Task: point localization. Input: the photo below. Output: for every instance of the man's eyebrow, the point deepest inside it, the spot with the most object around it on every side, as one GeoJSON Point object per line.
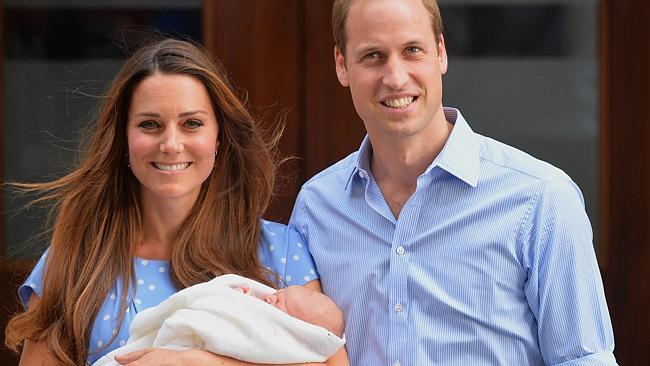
{"type": "Point", "coordinates": [366, 49]}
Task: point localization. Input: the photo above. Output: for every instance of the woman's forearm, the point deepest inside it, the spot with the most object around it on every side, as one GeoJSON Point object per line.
{"type": "Point", "coordinates": [205, 358]}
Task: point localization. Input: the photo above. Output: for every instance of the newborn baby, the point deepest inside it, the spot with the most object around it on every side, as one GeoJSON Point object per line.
{"type": "Point", "coordinates": [292, 325]}
{"type": "Point", "coordinates": [307, 305]}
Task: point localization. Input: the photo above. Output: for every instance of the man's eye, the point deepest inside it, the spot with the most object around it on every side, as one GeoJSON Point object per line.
{"type": "Point", "coordinates": [193, 123]}
{"type": "Point", "coordinates": [412, 50]}
{"type": "Point", "coordinates": [149, 125]}
{"type": "Point", "coordinates": [372, 55]}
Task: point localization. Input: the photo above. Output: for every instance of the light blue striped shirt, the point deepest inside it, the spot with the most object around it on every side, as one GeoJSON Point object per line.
{"type": "Point", "coordinates": [491, 261]}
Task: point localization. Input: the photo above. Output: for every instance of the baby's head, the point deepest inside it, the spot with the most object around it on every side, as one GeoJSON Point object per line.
{"type": "Point", "coordinates": [310, 306]}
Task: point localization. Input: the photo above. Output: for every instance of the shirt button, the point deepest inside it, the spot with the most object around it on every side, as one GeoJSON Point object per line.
{"type": "Point", "coordinates": [398, 307]}
{"type": "Point", "coordinates": [400, 250]}
{"type": "Point", "coordinates": [396, 363]}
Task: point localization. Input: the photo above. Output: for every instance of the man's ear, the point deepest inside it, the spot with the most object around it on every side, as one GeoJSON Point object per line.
{"type": "Point", "coordinates": [341, 70]}
{"type": "Point", "coordinates": [442, 54]}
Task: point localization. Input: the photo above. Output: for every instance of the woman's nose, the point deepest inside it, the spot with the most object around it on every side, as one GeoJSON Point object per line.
{"type": "Point", "coordinates": [171, 142]}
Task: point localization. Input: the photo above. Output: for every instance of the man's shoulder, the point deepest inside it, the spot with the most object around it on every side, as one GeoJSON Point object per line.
{"type": "Point", "coordinates": [502, 157]}
{"type": "Point", "coordinates": [336, 174]}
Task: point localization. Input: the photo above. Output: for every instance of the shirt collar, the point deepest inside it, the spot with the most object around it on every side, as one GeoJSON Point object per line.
{"type": "Point", "coordinates": [362, 166]}
{"type": "Point", "coordinates": [460, 156]}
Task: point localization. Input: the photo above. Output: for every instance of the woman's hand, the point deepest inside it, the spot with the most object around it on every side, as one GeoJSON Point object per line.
{"type": "Point", "coordinates": [165, 357]}
{"type": "Point", "coordinates": [197, 357]}
{"type": "Point", "coordinates": [155, 356]}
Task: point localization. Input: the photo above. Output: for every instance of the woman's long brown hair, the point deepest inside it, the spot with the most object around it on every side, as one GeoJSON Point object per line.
{"type": "Point", "coordinates": [97, 216]}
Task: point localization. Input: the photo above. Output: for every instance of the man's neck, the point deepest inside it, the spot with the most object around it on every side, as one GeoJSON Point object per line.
{"type": "Point", "coordinates": [396, 164]}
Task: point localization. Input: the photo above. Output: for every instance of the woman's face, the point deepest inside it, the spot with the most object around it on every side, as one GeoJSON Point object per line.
{"type": "Point", "coordinates": [172, 133]}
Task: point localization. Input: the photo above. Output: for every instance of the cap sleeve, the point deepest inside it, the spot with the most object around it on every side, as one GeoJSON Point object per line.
{"type": "Point", "coordinates": [286, 253]}
{"type": "Point", "coordinates": [34, 282]}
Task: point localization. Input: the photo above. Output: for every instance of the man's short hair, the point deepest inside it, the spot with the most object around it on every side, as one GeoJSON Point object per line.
{"type": "Point", "coordinates": [342, 7]}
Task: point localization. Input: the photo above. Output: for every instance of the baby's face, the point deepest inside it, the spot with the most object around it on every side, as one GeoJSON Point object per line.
{"type": "Point", "coordinates": [309, 306]}
{"type": "Point", "coordinates": [284, 298]}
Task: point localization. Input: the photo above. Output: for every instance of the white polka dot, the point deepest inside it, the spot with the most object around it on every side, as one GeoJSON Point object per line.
{"type": "Point", "coordinates": [122, 342]}
{"type": "Point", "coordinates": [307, 278]}
{"type": "Point", "coordinates": [32, 284]}
{"type": "Point", "coordinates": [144, 262]}
{"type": "Point", "coordinates": [299, 245]}
{"type": "Point", "coordinates": [271, 247]}
{"type": "Point", "coordinates": [100, 343]}
{"type": "Point", "coordinates": [283, 260]}
{"type": "Point", "coordinates": [141, 282]}
{"type": "Point", "coordinates": [107, 316]}
{"type": "Point", "coordinates": [272, 233]}
{"type": "Point", "coordinates": [113, 297]}
{"type": "Point", "coordinates": [161, 269]}
{"type": "Point", "coordinates": [288, 278]}
{"type": "Point", "coordinates": [296, 257]}
{"type": "Point", "coordinates": [127, 310]}
{"type": "Point", "coordinates": [137, 301]}
{"type": "Point", "coordinates": [152, 287]}
{"type": "Point", "coordinates": [312, 271]}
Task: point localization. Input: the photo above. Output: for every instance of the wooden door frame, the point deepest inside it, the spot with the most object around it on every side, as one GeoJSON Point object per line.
{"type": "Point", "coordinates": [2, 125]}
{"type": "Point", "coordinates": [624, 162]}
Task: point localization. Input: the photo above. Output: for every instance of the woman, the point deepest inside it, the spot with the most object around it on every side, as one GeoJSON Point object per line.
{"type": "Point", "coordinates": [168, 195]}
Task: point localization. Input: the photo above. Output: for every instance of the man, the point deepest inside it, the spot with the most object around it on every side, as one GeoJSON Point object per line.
{"type": "Point", "coordinates": [441, 246]}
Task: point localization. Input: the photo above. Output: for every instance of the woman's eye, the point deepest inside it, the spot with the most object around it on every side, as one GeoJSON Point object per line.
{"type": "Point", "coordinates": [193, 123]}
{"type": "Point", "coordinates": [149, 125]}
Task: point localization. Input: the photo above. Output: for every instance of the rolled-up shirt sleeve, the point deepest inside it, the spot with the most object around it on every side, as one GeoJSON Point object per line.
{"type": "Point", "coordinates": [564, 287]}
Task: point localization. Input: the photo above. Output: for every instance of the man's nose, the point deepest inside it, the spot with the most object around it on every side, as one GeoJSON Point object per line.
{"type": "Point", "coordinates": [396, 74]}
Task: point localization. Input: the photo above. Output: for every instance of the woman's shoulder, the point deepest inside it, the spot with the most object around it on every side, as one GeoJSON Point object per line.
{"type": "Point", "coordinates": [34, 282]}
{"type": "Point", "coordinates": [284, 251]}
{"type": "Point", "coordinates": [280, 235]}
{"type": "Point", "coordinates": [272, 230]}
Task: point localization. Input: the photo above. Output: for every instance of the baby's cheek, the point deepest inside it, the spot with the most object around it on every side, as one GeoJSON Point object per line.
{"type": "Point", "coordinates": [282, 306]}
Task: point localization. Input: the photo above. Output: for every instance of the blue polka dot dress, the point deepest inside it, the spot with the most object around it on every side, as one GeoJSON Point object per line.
{"type": "Point", "coordinates": [282, 250]}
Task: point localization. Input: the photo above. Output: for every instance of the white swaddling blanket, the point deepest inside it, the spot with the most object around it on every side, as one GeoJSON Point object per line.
{"type": "Point", "coordinates": [215, 317]}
